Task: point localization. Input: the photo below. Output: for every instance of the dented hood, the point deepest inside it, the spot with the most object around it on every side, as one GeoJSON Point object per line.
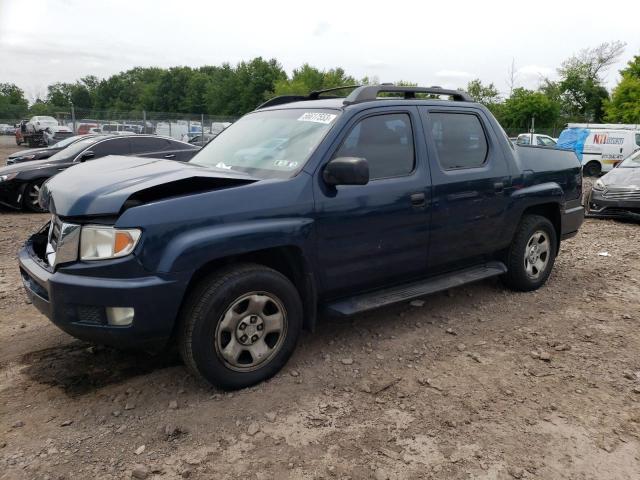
{"type": "Point", "coordinates": [111, 184]}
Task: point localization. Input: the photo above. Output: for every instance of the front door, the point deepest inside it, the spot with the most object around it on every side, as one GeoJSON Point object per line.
{"type": "Point", "coordinates": [375, 234]}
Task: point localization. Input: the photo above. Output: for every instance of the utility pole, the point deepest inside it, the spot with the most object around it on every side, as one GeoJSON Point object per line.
{"type": "Point", "coordinates": [533, 127]}
{"type": "Point", "coordinates": [73, 118]}
{"type": "Point", "coordinates": [202, 129]}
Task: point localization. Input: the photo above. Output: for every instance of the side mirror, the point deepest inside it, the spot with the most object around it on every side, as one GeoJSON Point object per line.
{"type": "Point", "coordinates": [346, 171]}
{"type": "Point", "coordinates": [87, 155]}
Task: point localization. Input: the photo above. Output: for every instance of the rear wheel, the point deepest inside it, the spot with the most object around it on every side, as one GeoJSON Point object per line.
{"type": "Point", "coordinates": [240, 325]}
{"type": "Point", "coordinates": [32, 196]}
{"type": "Point", "coordinates": [592, 169]}
{"type": "Point", "coordinates": [531, 254]}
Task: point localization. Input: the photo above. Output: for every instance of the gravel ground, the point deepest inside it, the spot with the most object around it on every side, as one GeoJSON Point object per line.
{"type": "Point", "coordinates": [478, 382]}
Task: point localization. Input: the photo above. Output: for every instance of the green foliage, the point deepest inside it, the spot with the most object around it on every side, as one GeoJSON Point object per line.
{"type": "Point", "coordinates": [12, 101]}
{"type": "Point", "coordinates": [308, 79]}
{"type": "Point", "coordinates": [484, 94]}
{"type": "Point", "coordinates": [624, 106]}
{"type": "Point", "coordinates": [525, 104]}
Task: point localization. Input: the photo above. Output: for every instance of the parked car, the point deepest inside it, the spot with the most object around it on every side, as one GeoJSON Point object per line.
{"type": "Point", "coordinates": [368, 202]}
{"type": "Point", "coordinates": [6, 129]}
{"type": "Point", "coordinates": [42, 153]}
{"type": "Point", "coordinates": [85, 128]}
{"type": "Point", "coordinates": [45, 123]}
{"type": "Point", "coordinates": [535, 139]}
{"type": "Point", "coordinates": [617, 193]}
{"type": "Point", "coordinates": [600, 147]}
{"type": "Point", "coordinates": [20, 183]}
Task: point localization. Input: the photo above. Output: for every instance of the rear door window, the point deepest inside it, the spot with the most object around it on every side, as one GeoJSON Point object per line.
{"type": "Point", "coordinates": [459, 139]}
{"type": "Point", "coordinates": [148, 144]}
{"type": "Point", "coordinates": [113, 146]}
{"type": "Point", "coordinates": [385, 141]}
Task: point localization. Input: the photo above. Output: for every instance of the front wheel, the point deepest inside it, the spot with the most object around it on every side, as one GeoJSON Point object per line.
{"type": "Point", "coordinates": [32, 196]}
{"type": "Point", "coordinates": [240, 325]}
{"type": "Point", "coordinates": [531, 254]}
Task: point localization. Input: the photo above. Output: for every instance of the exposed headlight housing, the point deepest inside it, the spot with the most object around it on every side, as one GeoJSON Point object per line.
{"type": "Point", "coordinates": [99, 242]}
{"type": "Point", "coordinates": [599, 185]}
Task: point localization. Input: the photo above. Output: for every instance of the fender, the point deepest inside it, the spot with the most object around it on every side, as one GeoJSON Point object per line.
{"type": "Point", "coordinates": [527, 197]}
{"type": "Point", "coordinates": [191, 249]}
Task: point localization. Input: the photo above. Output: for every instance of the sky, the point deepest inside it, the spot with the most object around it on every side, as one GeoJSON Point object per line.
{"type": "Point", "coordinates": [45, 41]}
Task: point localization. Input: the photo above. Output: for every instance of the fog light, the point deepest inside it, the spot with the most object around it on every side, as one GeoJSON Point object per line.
{"type": "Point", "coordinates": [120, 316]}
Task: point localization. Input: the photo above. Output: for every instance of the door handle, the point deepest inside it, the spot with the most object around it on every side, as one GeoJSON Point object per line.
{"type": "Point", "coordinates": [499, 186]}
{"type": "Point", "coordinates": [418, 200]}
{"type": "Point", "coordinates": [171, 155]}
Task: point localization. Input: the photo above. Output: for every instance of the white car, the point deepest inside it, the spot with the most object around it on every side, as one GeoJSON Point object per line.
{"type": "Point", "coordinates": [535, 139]}
{"type": "Point", "coordinates": [42, 123]}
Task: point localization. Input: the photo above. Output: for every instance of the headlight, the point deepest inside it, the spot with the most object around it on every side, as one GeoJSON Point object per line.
{"type": "Point", "coordinates": [99, 243]}
{"type": "Point", "coordinates": [8, 176]}
{"type": "Point", "coordinates": [26, 157]}
{"type": "Point", "coordinates": [599, 185]}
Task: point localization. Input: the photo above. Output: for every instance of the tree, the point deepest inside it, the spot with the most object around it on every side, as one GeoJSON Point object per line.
{"type": "Point", "coordinates": [13, 105]}
{"type": "Point", "coordinates": [525, 104]}
{"type": "Point", "coordinates": [485, 94]}
{"type": "Point", "coordinates": [582, 92]}
{"type": "Point", "coordinates": [624, 106]}
{"type": "Point", "coordinates": [308, 79]}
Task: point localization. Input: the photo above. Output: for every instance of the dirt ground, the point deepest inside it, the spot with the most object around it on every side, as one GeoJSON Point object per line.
{"type": "Point", "coordinates": [476, 383]}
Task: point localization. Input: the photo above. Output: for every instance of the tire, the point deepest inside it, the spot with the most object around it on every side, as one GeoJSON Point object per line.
{"type": "Point", "coordinates": [529, 269]}
{"type": "Point", "coordinates": [212, 340]}
{"type": "Point", "coordinates": [592, 169]}
{"type": "Point", "coordinates": [30, 197]}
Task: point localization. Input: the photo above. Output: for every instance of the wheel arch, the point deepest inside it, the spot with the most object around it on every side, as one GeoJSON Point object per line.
{"type": "Point", "coordinates": [550, 211]}
{"type": "Point", "coordinates": [289, 260]}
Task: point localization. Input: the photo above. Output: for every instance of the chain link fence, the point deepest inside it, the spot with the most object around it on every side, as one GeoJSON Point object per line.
{"type": "Point", "coordinates": [191, 127]}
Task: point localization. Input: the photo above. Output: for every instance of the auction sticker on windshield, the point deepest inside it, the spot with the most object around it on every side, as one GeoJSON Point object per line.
{"type": "Point", "coordinates": [317, 117]}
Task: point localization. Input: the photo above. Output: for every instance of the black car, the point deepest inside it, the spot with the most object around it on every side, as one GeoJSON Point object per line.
{"type": "Point", "coordinates": [42, 153]}
{"type": "Point", "coordinates": [202, 139]}
{"type": "Point", "coordinates": [617, 194]}
{"type": "Point", "coordinates": [20, 184]}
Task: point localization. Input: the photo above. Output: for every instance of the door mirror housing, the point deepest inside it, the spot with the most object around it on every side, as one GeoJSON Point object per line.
{"type": "Point", "coordinates": [346, 171]}
{"type": "Point", "coordinates": [86, 155]}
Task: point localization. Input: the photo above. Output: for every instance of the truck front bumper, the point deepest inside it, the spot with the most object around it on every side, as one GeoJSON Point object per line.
{"type": "Point", "coordinates": [76, 300]}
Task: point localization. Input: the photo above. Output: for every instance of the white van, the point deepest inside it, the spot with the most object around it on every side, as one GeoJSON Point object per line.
{"type": "Point", "coordinates": [601, 146]}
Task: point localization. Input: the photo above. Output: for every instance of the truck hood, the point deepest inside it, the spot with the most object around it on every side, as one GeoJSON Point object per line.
{"type": "Point", "coordinates": [110, 185]}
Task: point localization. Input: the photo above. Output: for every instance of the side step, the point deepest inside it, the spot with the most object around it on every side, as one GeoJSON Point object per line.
{"type": "Point", "coordinates": [380, 298]}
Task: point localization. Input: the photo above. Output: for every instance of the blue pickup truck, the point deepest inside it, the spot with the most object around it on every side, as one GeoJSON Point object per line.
{"type": "Point", "coordinates": [309, 204]}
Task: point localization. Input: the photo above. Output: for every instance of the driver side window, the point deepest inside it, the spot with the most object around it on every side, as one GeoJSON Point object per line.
{"type": "Point", "coordinates": [385, 141]}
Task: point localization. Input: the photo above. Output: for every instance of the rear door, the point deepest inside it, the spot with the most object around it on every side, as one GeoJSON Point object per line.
{"type": "Point", "coordinates": [376, 234]}
{"type": "Point", "coordinates": [469, 178]}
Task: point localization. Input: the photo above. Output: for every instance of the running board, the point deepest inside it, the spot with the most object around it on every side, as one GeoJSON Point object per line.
{"type": "Point", "coordinates": [388, 296]}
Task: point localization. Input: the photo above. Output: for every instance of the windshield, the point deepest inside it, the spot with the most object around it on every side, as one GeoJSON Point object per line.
{"type": "Point", "coordinates": [269, 144]}
{"type": "Point", "coordinates": [633, 161]}
{"type": "Point", "coordinates": [73, 149]}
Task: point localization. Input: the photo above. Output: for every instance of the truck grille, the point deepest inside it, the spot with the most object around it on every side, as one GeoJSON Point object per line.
{"type": "Point", "coordinates": [62, 242]}
{"type": "Point", "coordinates": [622, 194]}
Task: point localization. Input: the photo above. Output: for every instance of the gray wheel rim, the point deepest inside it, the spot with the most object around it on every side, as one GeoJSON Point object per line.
{"type": "Point", "coordinates": [536, 255]}
{"type": "Point", "coordinates": [251, 331]}
{"type": "Point", "coordinates": [34, 196]}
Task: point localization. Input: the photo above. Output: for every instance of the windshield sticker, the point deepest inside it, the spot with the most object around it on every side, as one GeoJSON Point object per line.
{"type": "Point", "coordinates": [285, 164]}
{"type": "Point", "coordinates": [317, 117]}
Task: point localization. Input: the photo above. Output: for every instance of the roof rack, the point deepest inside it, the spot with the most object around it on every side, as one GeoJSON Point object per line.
{"type": "Point", "coordinates": [315, 95]}
{"type": "Point", "coordinates": [371, 92]}
{"type": "Point", "coordinates": [366, 93]}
